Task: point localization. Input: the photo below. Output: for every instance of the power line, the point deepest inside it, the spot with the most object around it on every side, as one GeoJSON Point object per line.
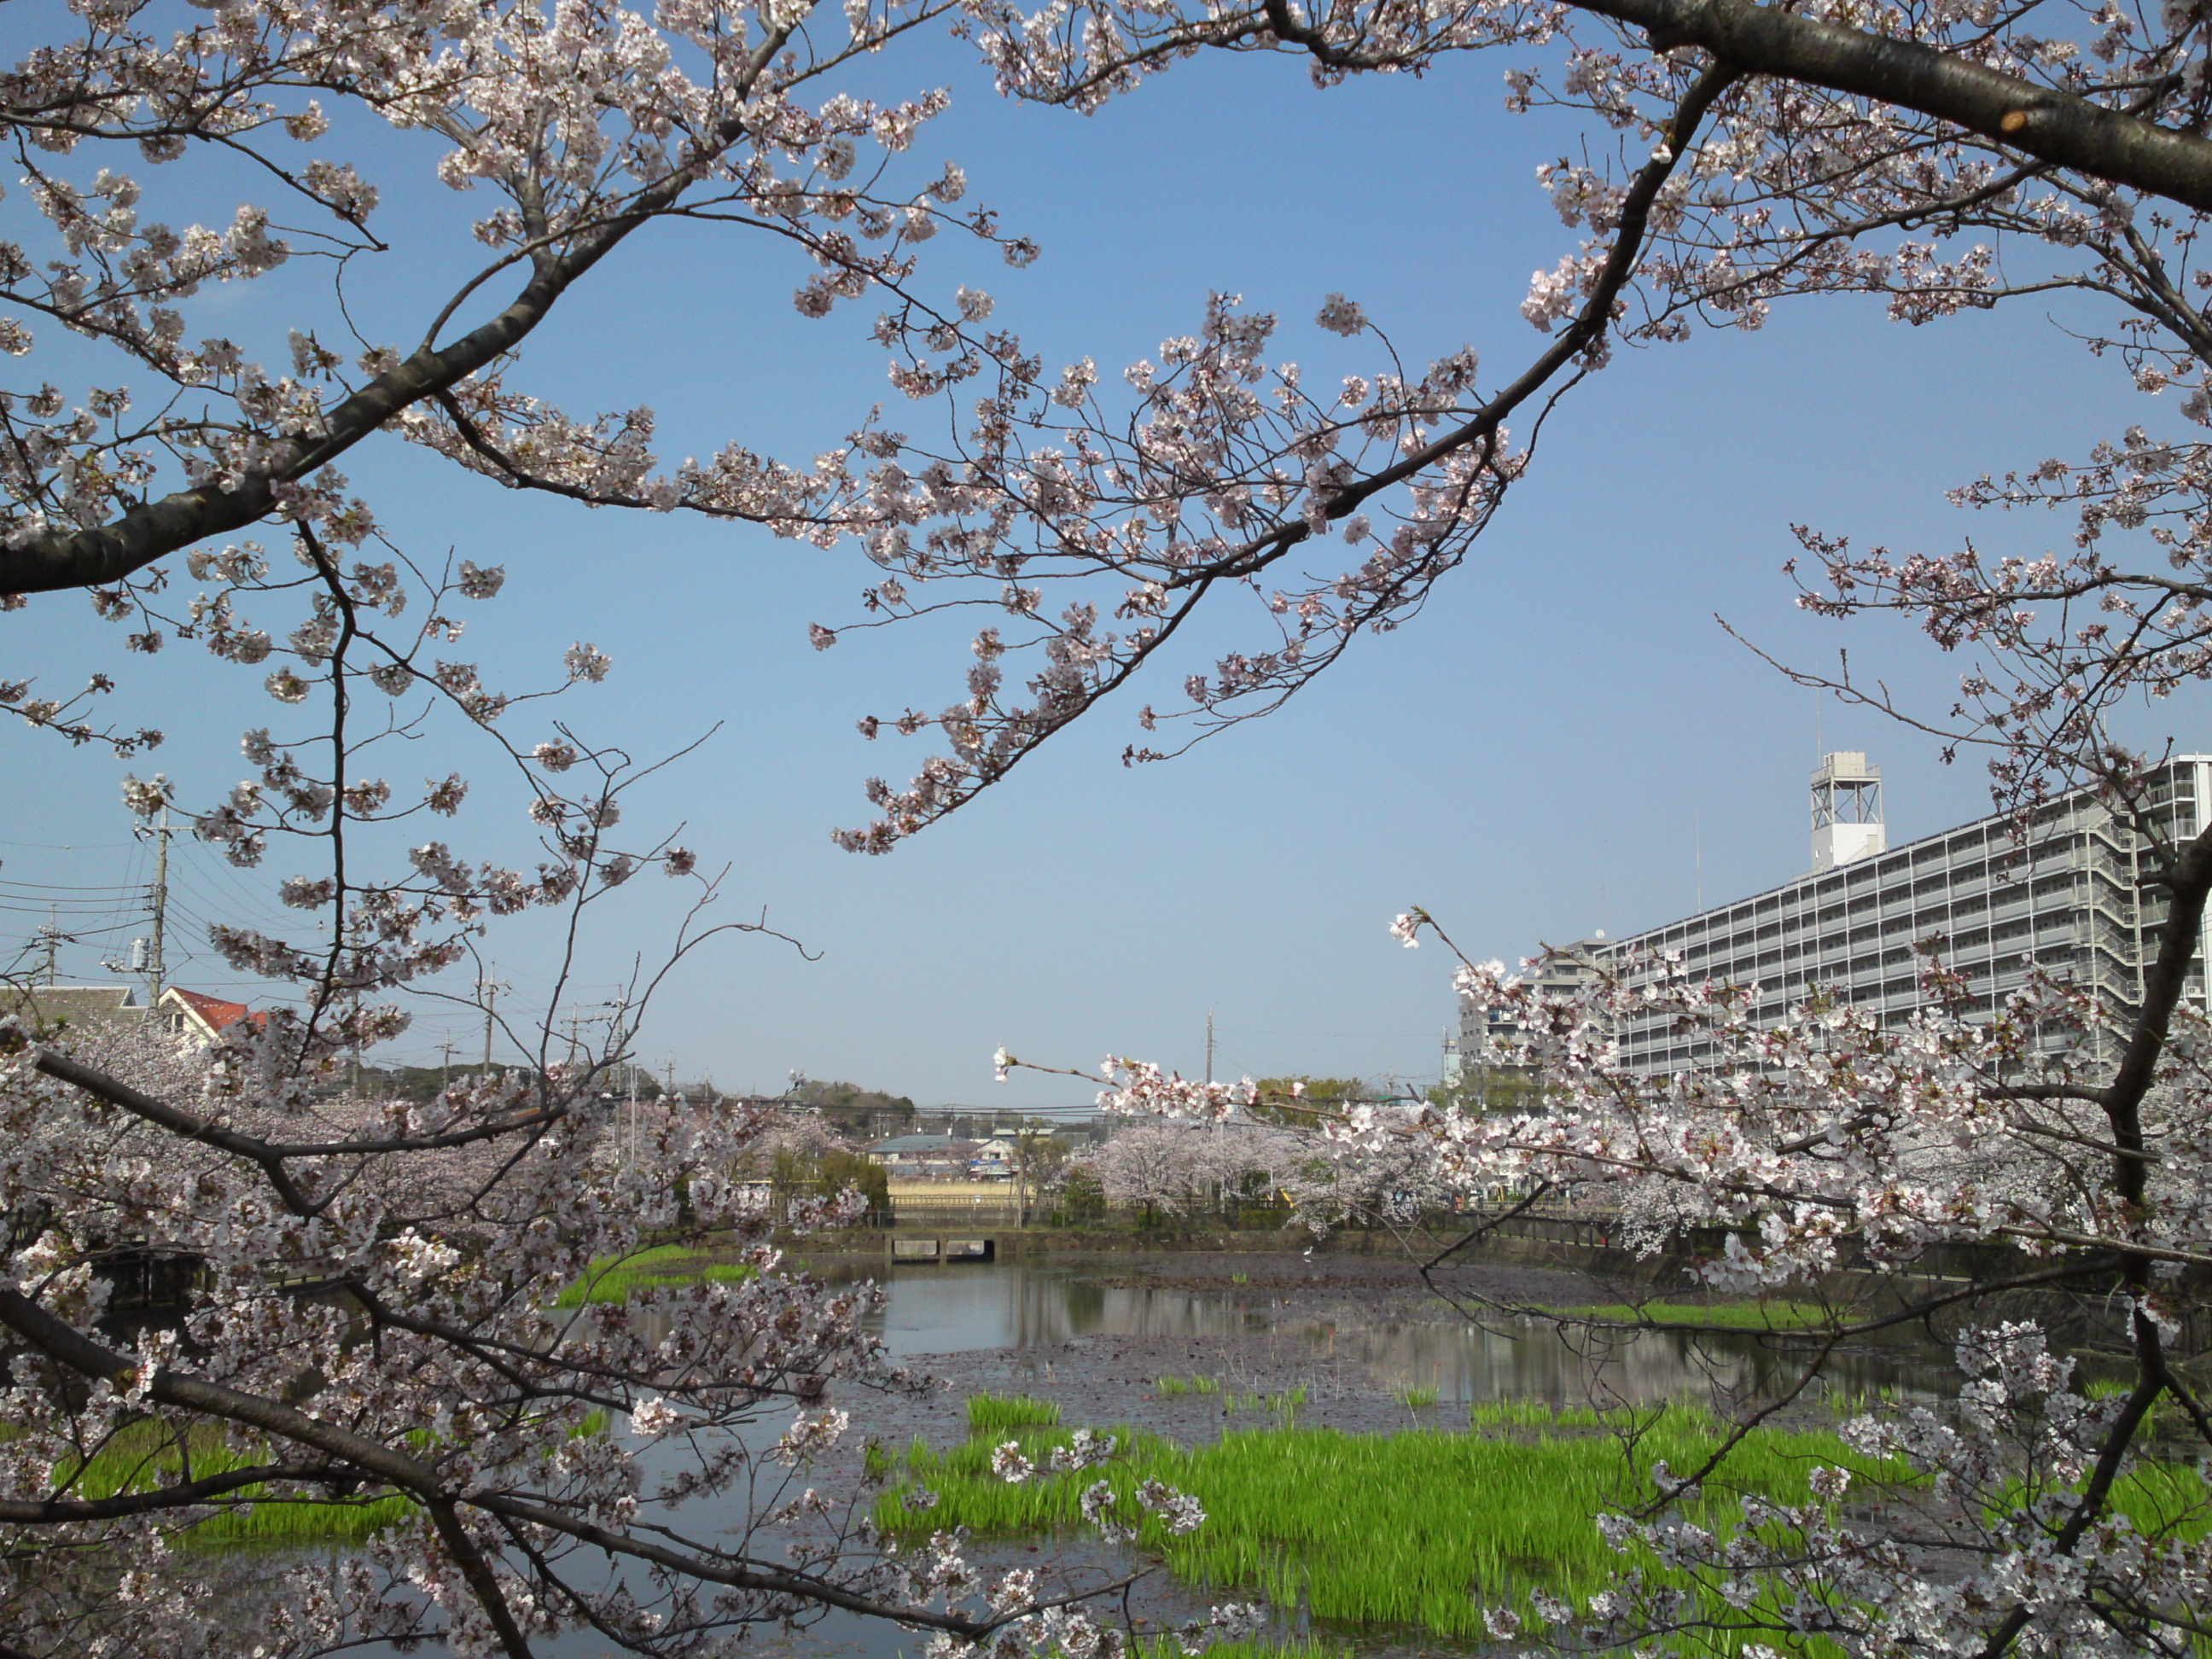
{"type": "Point", "coordinates": [220, 873]}
{"type": "Point", "coordinates": [85, 932]}
{"type": "Point", "coordinates": [69, 888]}
{"type": "Point", "coordinates": [41, 907]}
{"type": "Point", "coordinates": [216, 901]}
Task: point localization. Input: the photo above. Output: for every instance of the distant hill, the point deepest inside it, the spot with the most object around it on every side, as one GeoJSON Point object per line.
{"type": "Point", "coordinates": [856, 1110]}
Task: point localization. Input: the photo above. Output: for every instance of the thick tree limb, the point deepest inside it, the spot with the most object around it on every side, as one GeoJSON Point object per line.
{"type": "Point", "coordinates": [2039, 121]}
{"type": "Point", "coordinates": [2055, 127]}
{"type": "Point", "coordinates": [270, 1153]}
{"type": "Point", "coordinates": [31, 1512]}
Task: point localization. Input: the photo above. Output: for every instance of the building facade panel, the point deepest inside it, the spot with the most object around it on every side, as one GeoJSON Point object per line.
{"type": "Point", "coordinates": [2064, 896]}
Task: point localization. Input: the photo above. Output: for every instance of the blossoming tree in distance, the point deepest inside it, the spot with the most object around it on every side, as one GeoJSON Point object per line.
{"type": "Point", "coordinates": [373, 1305]}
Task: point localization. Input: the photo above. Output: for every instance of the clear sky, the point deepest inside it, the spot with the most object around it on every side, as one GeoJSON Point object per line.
{"type": "Point", "coordinates": [1563, 741]}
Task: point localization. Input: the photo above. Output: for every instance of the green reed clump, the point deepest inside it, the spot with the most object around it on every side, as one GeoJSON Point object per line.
{"type": "Point", "coordinates": [617, 1279]}
{"type": "Point", "coordinates": [1414, 1399]}
{"type": "Point", "coordinates": [2160, 1499]}
{"type": "Point", "coordinates": [1205, 1385]}
{"type": "Point", "coordinates": [1489, 1414]}
{"type": "Point", "coordinates": [289, 1522]}
{"type": "Point", "coordinates": [993, 1414]}
{"type": "Point", "coordinates": [1421, 1527]}
{"type": "Point", "coordinates": [142, 1455]}
{"type": "Point", "coordinates": [1171, 1385]}
{"type": "Point", "coordinates": [1255, 1647]}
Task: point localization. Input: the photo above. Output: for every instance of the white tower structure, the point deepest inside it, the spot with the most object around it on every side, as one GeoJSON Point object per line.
{"type": "Point", "coordinates": [1847, 822]}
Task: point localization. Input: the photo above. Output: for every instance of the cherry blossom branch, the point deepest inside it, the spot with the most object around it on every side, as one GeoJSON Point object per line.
{"type": "Point", "coordinates": [271, 1155]}
{"type": "Point", "coordinates": [43, 561]}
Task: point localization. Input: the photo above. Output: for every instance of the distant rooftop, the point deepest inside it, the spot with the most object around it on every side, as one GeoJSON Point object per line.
{"type": "Point", "coordinates": [899, 1146]}
{"type": "Point", "coordinates": [72, 1005]}
{"type": "Point", "coordinates": [214, 1013]}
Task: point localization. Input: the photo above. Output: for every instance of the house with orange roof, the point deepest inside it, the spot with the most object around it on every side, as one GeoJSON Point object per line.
{"type": "Point", "coordinates": [194, 1014]}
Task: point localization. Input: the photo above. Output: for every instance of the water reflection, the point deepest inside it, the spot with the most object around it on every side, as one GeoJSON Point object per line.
{"type": "Point", "coordinates": [960, 1308]}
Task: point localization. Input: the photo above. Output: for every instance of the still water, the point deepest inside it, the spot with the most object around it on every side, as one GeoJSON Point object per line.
{"type": "Point", "coordinates": [1024, 1308]}
{"type": "Point", "coordinates": [964, 1307]}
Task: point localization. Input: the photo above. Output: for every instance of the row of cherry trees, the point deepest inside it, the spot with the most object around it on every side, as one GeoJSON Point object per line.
{"type": "Point", "coordinates": [354, 1331]}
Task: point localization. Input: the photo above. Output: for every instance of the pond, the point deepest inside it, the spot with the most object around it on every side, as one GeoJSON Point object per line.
{"type": "Point", "coordinates": [1389, 1328]}
{"type": "Point", "coordinates": [1187, 1348]}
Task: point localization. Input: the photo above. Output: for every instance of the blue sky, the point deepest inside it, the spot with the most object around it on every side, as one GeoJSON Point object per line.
{"type": "Point", "coordinates": [1545, 751]}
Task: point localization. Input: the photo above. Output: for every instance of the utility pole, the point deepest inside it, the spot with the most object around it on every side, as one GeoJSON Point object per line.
{"type": "Point", "coordinates": [490, 989]}
{"type": "Point", "coordinates": [445, 1066]}
{"type": "Point", "coordinates": [668, 1096]}
{"type": "Point", "coordinates": [51, 937]}
{"type": "Point", "coordinates": [156, 962]}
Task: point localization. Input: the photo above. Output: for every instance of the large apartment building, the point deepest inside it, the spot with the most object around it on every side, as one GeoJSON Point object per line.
{"type": "Point", "coordinates": [2065, 895]}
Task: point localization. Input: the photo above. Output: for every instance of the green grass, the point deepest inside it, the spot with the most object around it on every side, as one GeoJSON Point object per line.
{"type": "Point", "coordinates": [145, 1454]}
{"type": "Point", "coordinates": [617, 1279]}
{"type": "Point", "coordinates": [992, 1414]}
{"type": "Point", "coordinates": [1257, 1647]}
{"type": "Point", "coordinates": [284, 1523]}
{"type": "Point", "coordinates": [1734, 1315]}
{"type": "Point", "coordinates": [1420, 1527]}
{"type": "Point", "coordinates": [1414, 1399]}
{"type": "Point", "coordinates": [1171, 1385]}
{"type": "Point", "coordinates": [2162, 1500]}
{"type": "Point", "coordinates": [1487, 1416]}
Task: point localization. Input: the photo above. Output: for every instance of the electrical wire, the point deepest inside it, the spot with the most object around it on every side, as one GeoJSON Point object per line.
{"type": "Point", "coordinates": [71, 888]}
{"type": "Point", "coordinates": [179, 884]}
